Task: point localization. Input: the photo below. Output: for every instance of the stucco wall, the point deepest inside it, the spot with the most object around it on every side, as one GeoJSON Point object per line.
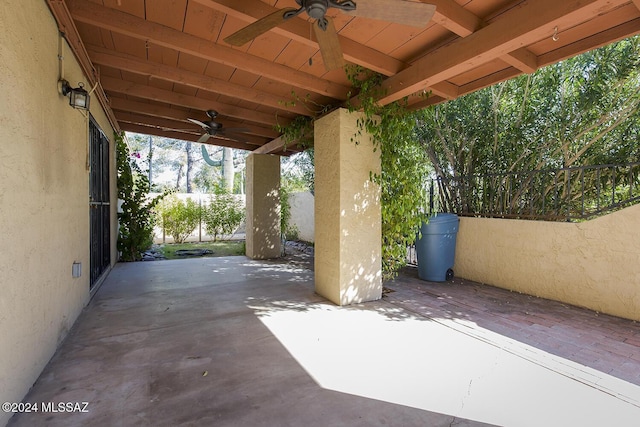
{"type": "Point", "coordinates": [302, 218]}
{"type": "Point", "coordinates": [593, 264]}
{"type": "Point", "coordinates": [44, 212]}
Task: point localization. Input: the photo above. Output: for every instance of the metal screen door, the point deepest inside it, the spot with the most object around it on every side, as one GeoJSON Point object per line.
{"type": "Point", "coordinates": [99, 207]}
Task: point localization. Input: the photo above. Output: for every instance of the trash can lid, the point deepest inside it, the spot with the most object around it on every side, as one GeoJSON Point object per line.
{"type": "Point", "coordinates": [443, 223]}
{"type": "Point", "coordinates": [443, 217]}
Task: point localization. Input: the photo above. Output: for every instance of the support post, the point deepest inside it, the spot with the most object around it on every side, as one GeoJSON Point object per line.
{"type": "Point", "coordinates": [263, 206]}
{"type": "Point", "coordinates": [348, 266]}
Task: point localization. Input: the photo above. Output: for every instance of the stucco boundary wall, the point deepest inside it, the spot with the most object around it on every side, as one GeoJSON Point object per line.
{"type": "Point", "coordinates": [593, 264]}
{"type": "Point", "coordinates": [302, 215]}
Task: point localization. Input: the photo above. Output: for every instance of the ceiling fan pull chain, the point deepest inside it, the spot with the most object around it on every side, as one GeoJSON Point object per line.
{"type": "Point", "coordinates": [311, 38]}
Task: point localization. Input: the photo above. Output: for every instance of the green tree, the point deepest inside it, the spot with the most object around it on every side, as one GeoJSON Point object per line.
{"type": "Point", "coordinates": [224, 214]}
{"type": "Point", "coordinates": [164, 155]}
{"type": "Point", "coordinates": [305, 164]}
{"type": "Point", "coordinates": [581, 111]}
{"type": "Point", "coordinates": [179, 218]}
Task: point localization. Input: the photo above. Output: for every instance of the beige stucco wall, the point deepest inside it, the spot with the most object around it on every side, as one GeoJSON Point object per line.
{"type": "Point", "coordinates": [302, 218]}
{"type": "Point", "coordinates": [44, 212]}
{"type": "Point", "coordinates": [347, 212]}
{"type": "Point", "coordinates": [263, 206]}
{"type": "Point", "coordinates": [593, 264]}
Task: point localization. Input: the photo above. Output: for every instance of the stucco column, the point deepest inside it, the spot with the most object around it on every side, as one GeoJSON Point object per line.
{"type": "Point", "coordinates": [263, 206]}
{"type": "Point", "coordinates": [347, 212]}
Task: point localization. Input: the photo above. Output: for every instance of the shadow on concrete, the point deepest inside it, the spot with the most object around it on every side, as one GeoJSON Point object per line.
{"type": "Point", "coordinates": [185, 342]}
{"type": "Point", "coordinates": [601, 342]}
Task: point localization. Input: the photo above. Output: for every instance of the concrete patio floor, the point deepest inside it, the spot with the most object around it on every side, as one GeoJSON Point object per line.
{"type": "Point", "coordinates": [235, 342]}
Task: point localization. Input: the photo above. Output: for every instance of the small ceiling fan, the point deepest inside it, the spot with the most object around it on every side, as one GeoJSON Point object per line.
{"type": "Point", "coordinates": [214, 128]}
{"type": "Point", "coordinates": [415, 14]}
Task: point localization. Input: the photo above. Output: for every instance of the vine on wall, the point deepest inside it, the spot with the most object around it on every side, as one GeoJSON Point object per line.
{"type": "Point", "coordinates": [404, 166]}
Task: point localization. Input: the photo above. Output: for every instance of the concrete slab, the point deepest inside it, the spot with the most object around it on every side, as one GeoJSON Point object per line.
{"type": "Point", "coordinates": [235, 342]}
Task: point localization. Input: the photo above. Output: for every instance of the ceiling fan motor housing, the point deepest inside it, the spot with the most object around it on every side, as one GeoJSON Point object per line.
{"type": "Point", "coordinates": [214, 125]}
{"type": "Point", "coordinates": [316, 8]}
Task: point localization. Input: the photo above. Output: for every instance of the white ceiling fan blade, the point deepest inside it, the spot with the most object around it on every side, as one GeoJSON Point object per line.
{"type": "Point", "coordinates": [414, 14]}
{"type": "Point", "coordinates": [204, 138]}
{"type": "Point", "coordinates": [199, 123]}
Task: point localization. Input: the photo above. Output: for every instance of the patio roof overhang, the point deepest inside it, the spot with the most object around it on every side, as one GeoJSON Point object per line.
{"type": "Point", "coordinates": [160, 62]}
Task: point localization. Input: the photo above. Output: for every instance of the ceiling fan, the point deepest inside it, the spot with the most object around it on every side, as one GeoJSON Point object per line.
{"type": "Point", "coordinates": [214, 128]}
{"type": "Point", "coordinates": [404, 12]}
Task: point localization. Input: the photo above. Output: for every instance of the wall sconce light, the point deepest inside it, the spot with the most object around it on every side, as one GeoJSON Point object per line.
{"type": "Point", "coordinates": [78, 97]}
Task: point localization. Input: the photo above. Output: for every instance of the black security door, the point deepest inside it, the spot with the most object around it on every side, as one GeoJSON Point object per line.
{"type": "Point", "coordinates": [99, 202]}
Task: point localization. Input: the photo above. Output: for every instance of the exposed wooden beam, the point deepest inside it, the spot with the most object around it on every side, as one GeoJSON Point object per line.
{"type": "Point", "coordinates": [150, 130]}
{"type": "Point", "coordinates": [431, 100]}
{"type": "Point", "coordinates": [619, 32]}
{"type": "Point", "coordinates": [454, 17]}
{"type": "Point", "coordinates": [154, 110]}
{"type": "Point", "coordinates": [522, 59]}
{"type": "Point", "coordinates": [135, 65]}
{"type": "Point", "coordinates": [276, 146]}
{"type": "Point", "coordinates": [132, 26]}
{"type": "Point", "coordinates": [489, 80]}
{"type": "Point", "coordinates": [173, 98]}
{"type": "Point", "coordinates": [153, 130]}
{"type": "Point", "coordinates": [449, 15]}
{"type": "Point", "coordinates": [298, 30]}
{"type": "Point", "coordinates": [445, 89]}
{"type": "Point", "coordinates": [462, 22]}
{"type": "Point", "coordinates": [179, 126]}
{"type": "Point", "coordinates": [531, 21]}
{"type": "Point", "coordinates": [603, 38]}
{"type": "Point", "coordinates": [163, 123]}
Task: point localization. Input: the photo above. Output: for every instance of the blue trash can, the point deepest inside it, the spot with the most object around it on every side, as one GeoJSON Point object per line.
{"type": "Point", "coordinates": [436, 249]}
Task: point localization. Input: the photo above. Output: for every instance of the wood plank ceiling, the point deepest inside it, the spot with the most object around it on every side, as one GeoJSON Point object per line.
{"type": "Point", "coordinates": [160, 62]}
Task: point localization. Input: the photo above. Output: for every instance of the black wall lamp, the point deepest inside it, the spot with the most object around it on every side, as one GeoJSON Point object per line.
{"type": "Point", "coordinates": [78, 97]}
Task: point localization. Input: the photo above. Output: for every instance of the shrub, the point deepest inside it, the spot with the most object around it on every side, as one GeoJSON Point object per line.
{"type": "Point", "coordinates": [223, 215]}
{"type": "Point", "coordinates": [178, 218]}
{"type": "Point", "coordinates": [136, 219]}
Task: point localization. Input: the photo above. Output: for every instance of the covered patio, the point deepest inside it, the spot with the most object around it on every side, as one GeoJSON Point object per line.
{"type": "Point", "coordinates": [247, 341]}
{"type": "Point", "coordinates": [233, 341]}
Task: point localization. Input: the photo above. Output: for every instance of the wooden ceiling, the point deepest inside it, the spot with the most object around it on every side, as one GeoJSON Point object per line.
{"type": "Point", "coordinates": [160, 62]}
